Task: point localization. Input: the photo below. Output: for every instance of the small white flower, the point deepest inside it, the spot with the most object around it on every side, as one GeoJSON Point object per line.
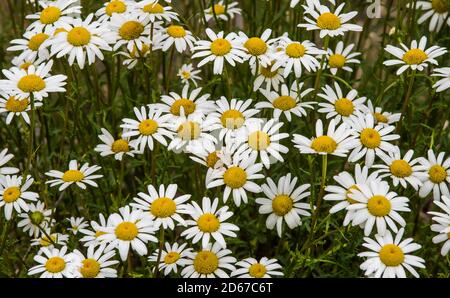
{"type": "Point", "coordinates": [444, 83]}
{"type": "Point", "coordinates": [54, 263]}
{"type": "Point", "coordinates": [437, 175]}
{"type": "Point", "coordinates": [252, 268]}
{"type": "Point", "coordinates": [442, 224]}
{"type": "Point", "coordinates": [96, 263]}
{"type": "Point", "coordinates": [172, 257]}
{"type": "Point", "coordinates": [77, 223]}
{"type": "Point", "coordinates": [80, 177]}
{"type": "Point", "coordinates": [14, 194]}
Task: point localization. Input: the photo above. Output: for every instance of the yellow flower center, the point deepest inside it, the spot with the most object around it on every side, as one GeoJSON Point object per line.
{"type": "Point", "coordinates": [206, 262]}
{"type": "Point", "coordinates": [295, 50]}
{"type": "Point", "coordinates": [90, 268]}
{"type": "Point", "coordinates": [11, 194]}
{"type": "Point", "coordinates": [176, 31]}
{"type": "Point", "coordinates": [50, 15]}
{"type": "Point", "coordinates": [257, 270]}
{"type": "Point", "coordinates": [414, 56]}
{"type": "Point", "coordinates": [232, 119]}
{"type": "Point", "coordinates": [284, 103]}
{"type": "Point", "coordinates": [55, 264]}
{"type": "Point", "coordinates": [344, 107]}
{"type": "Point", "coordinates": [136, 53]}
{"type": "Point", "coordinates": [336, 61]}
{"type": "Point", "coordinates": [73, 176]}
{"type": "Point", "coordinates": [148, 127]}
{"type": "Point", "coordinates": [212, 159]}
{"type": "Point", "coordinates": [400, 168]}
{"type": "Point", "coordinates": [171, 257]}
{"type": "Point", "coordinates": [437, 174]}
{"type": "Point", "coordinates": [187, 104]}
{"type": "Point", "coordinates": [186, 74]}
{"type": "Point", "coordinates": [208, 223]}
{"type": "Point", "coordinates": [35, 42]}
{"type": "Point", "coordinates": [46, 241]}
{"type": "Point", "coordinates": [379, 205]}
{"type": "Point", "coordinates": [115, 6]}
{"type": "Point", "coordinates": [328, 21]}
{"type": "Point", "coordinates": [120, 146]}
{"type": "Point", "coordinates": [235, 177]}
{"type": "Point", "coordinates": [163, 207]}
{"type": "Point", "coordinates": [16, 105]}
{"type": "Point", "coordinates": [220, 47]}
{"type": "Point", "coordinates": [267, 71]}
{"type": "Point", "coordinates": [189, 130]}
{"type": "Point", "coordinates": [131, 30]}
{"type": "Point", "coordinates": [391, 255]}
{"type": "Point", "coordinates": [324, 144]}
{"type": "Point", "coordinates": [380, 118]}
{"type": "Point", "coordinates": [440, 6]}
{"type": "Point", "coordinates": [256, 46]}
{"type": "Point", "coordinates": [370, 138]}
{"type": "Point", "coordinates": [79, 36]}
{"type": "Point", "coordinates": [259, 140]}
{"type": "Point", "coordinates": [25, 65]}
{"type": "Point", "coordinates": [218, 9]}
{"type": "Point", "coordinates": [282, 204]}
{"type": "Point", "coordinates": [126, 231]}
{"type": "Point", "coordinates": [99, 233]}
{"type": "Point", "coordinates": [31, 83]}
{"type": "Point", "coordinates": [348, 192]}
{"type": "Point", "coordinates": [153, 8]}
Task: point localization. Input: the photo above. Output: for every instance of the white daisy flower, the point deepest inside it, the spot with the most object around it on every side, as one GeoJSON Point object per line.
{"type": "Point", "coordinates": [130, 30]}
{"type": "Point", "coordinates": [96, 263]}
{"type": "Point", "coordinates": [219, 49]}
{"type": "Point", "coordinates": [339, 106]}
{"type": "Point", "coordinates": [36, 219]}
{"type": "Point", "coordinates": [77, 223]}
{"type": "Point", "coordinates": [91, 235]}
{"type": "Point", "coordinates": [222, 11]}
{"type": "Point", "coordinates": [4, 158]}
{"type": "Point", "coordinates": [12, 106]}
{"type": "Point", "coordinates": [111, 7]}
{"type": "Point", "coordinates": [80, 177]}
{"type": "Point", "coordinates": [209, 221]}
{"type": "Point", "coordinates": [117, 147]}
{"type": "Point", "coordinates": [133, 57]}
{"type": "Point", "coordinates": [209, 262]}
{"type": "Point", "coordinates": [286, 101]}
{"type": "Point", "coordinates": [434, 10]}
{"type": "Point", "coordinates": [128, 228]}
{"type": "Point", "coordinates": [340, 57]}
{"type": "Point", "coordinates": [48, 240]}
{"type": "Point", "coordinates": [175, 34]}
{"type": "Point", "coordinates": [14, 194]}
{"type": "Point", "coordinates": [375, 204]}
{"type": "Point", "coordinates": [211, 156]}
{"type": "Point", "coordinates": [338, 141]}
{"type": "Point", "coordinates": [155, 11]}
{"type": "Point", "coordinates": [54, 263]}
{"type": "Point", "coordinates": [444, 83]}
{"type": "Point", "coordinates": [26, 63]}
{"type": "Point", "coordinates": [257, 48]}
{"type": "Point", "coordinates": [282, 202]}
{"type": "Point", "coordinates": [442, 224]}
{"type": "Point", "coordinates": [270, 76]}
{"type": "Point", "coordinates": [295, 2]}
{"type": "Point", "coordinates": [172, 257]}
{"type": "Point", "coordinates": [389, 257]}
{"type": "Point", "coordinates": [382, 117]}
{"type": "Point", "coordinates": [187, 73]}
{"type": "Point", "coordinates": [372, 139]}
{"type": "Point", "coordinates": [437, 176]}
{"type": "Point", "coordinates": [329, 23]}
{"type": "Point", "coordinates": [252, 268]}
{"type": "Point", "coordinates": [417, 57]}
{"type": "Point", "coordinates": [31, 45]}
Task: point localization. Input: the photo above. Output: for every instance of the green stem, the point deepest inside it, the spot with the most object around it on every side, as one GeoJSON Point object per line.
{"type": "Point", "coordinates": [319, 72]}
{"type": "Point", "coordinates": [161, 244]}
{"type": "Point", "coordinates": [406, 100]}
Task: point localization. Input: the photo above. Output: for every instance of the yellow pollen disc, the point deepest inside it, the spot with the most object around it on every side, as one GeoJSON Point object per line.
{"type": "Point", "coordinates": [295, 50]}
{"type": "Point", "coordinates": [212, 159]}
{"type": "Point", "coordinates": [11, 194]}
{"type": "Point", "coordinates": [206, 262]}
{"type": "Point", "coordinates": [176, 31]}
{"type": "Point", "coordinates": [78, 37]}
{"type": "Point", "coordinates": [186, 74]}
{"type": "Point", "coordinates": [284, 103]}
{"type": "Point", "coordinates": [256, 46]}
{"type": "Point", "coordinates": [153, 8]}
{"type": "Point", "coordinates": [131, 30]}
{"type": "Point", "coordinates": [336, 61]}
{"type": "Point", "coordinates": [349, 191]}
{"type": "Point", "coordinates": [189, 130]}
{"type": "Point", "coordinates": [16, 105]}
{"type": "Point", "coordinates": [437, 174]}
{"type": "Point", "coordinates": [379, 206]}
{"type": "Point", "coordinates": [257, 270]}
{"type": "Point", "coordinates": [380, 118]}
{"type": "Point", "coordinates": [163, 207]}
{"type": "Point", "coordinates": [50, 15]}
{"type": "Point", "coordinates": [187, 104]}
{"type": "Point", "coordinates": [267, 71]}
{"type": "Point", "coordinates": [208, 223]}
{"type": "Point", "coordinates": [55, 264]}
{"type": "Point", "coordinates": [171, 257]}
{"type": "Point", "coordinates": [370, 138]}
{"type": "Point", "coordinates": [59, 30]}
{"type": "Point", "coordinates": [115, 6]}
{"type": "Point", "coordinates": [220, 47]}
{"type": "Point", "coordinates": [328, 21]}
{"type": "Point", "coordinates": [282, 204]}
{"type": "Point", "coordinates": [218, 9]}
{"type": "Point", "coordinates": [232, 119]}
{"type": "Point", "coordinates": [324, 144]}
{"type": "Point", "coordinates": [31, 83]}
{"type": "Point", "coordinates": [440, 6]}
{"type": "Point", "coordinates": [72, 176]}
{"type": "Point", "coordinates": [414, 56]}
{"type": "Point", "coordinates": [148, 127]}
{"type": "Point", "coordinates": [25, 65]}
{"type": "Point", "coordinates": [126, 231]}
{"type": "Point", "coordinates": [344, 107]}
{"type": "Point", "coordinates": [235, 177]}
{"type": "Point", "coordinates": [35, 42]}
{"type": "Point", "coordinates": [259, 140]}
{"type": "Point", "coordinates": [120, 146]}
{"type": "Point", "coordinates": [391, 255]}
{"type": "Point", "coordinates": [99, 233]}
{"type": "Point", "coordinates": [90, 268]}
{"type": "Point", "coordinates": [400, 168]}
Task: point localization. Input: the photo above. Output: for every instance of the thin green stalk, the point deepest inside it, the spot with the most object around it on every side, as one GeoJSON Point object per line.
{"type": "Point", "coordinates": [161, 245]}
{"type": "Point", "coordinates": [406, 100]}
{"type": "Point", "coordinates": [319, 72]}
